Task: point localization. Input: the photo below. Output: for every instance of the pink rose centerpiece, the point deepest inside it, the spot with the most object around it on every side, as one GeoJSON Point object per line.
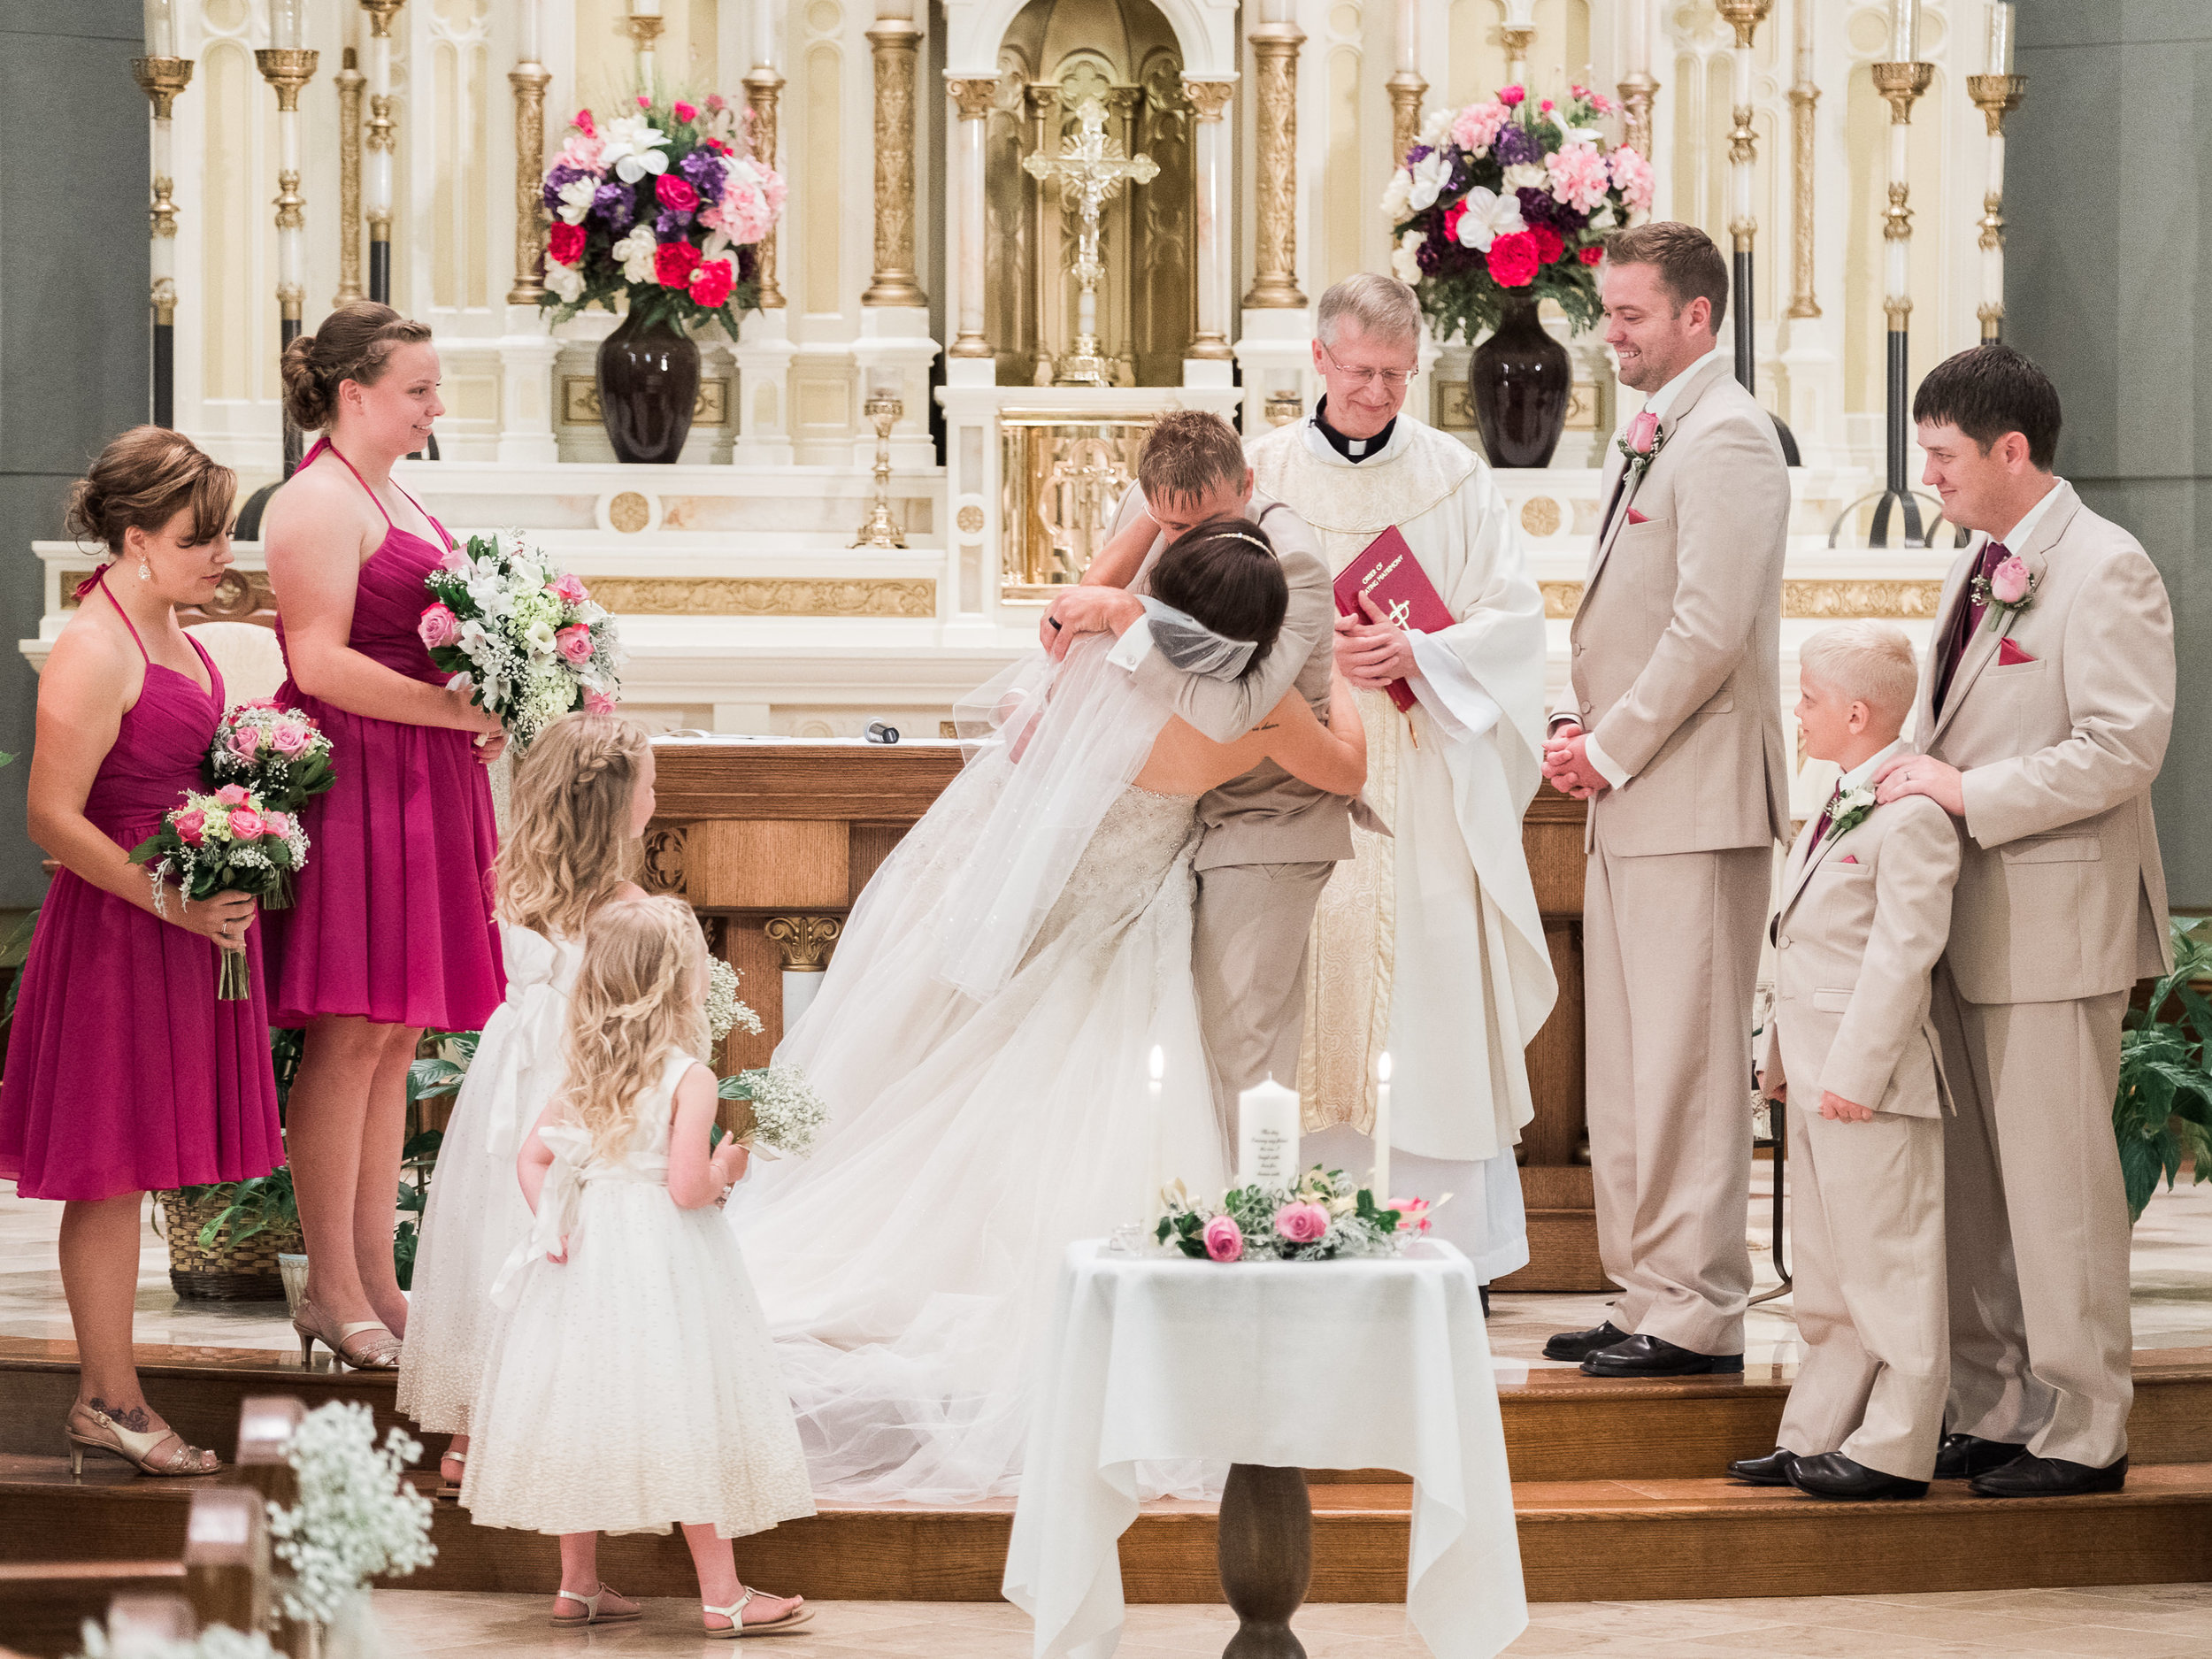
{"type": "Point", "coordinates": [1324, 1215]}
{"type": "Point", "coordinates": [1511, 198]}
{"type": "Point", "coordinates": [229, 841]}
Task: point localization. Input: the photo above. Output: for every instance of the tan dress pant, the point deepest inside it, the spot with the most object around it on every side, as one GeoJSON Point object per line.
{"type": "Point", "coordinates": [2041, 1340]}
{"type": "Point", "coordinates": [1249, 955]}
{"type": "Point", "coordinates": [1866, 1240]}
{"type": "Point", "coordinates": [1670, 955]}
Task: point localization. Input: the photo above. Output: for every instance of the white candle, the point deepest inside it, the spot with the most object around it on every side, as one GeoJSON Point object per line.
{"type": "Point", "coordinates": [1381, 1179]}
{"type": "Point", "coordinates": [1150, 1199]}
{"type": "Point", "coordinates": [1267, 1135]}
{"type": "Point", "coordinates": [287, 28]}
{"type": "Point", "coordinates": [1904, 31]}
{"type": "Point", "coordinates": [161, 28]}
{"type": "Point", "coordinates": [645, 7]}
{"type": "Point", "coordinates": [1639, 37]}
{"type": "Point", "coordinates": [1408, 36]}
{"type": "Point", "coordinates": [528, 44]}
{"type": "Point", "coordinates": [2000, 40]}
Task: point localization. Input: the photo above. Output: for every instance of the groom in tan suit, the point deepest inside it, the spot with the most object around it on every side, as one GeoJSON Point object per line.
{"type": "Point", "coordinates": [1671, 728]}
{"type": "Point", "coordinates": [2043, 717]}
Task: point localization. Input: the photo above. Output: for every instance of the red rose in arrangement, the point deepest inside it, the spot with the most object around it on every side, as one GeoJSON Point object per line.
{"type": "Point", "coordinates": [686, 112]}
{"type": "Point", "coordinates": [1549, 243]}
{"type": "Point", "coordinates": [676, 192]}
{"type": "Point", "coordinates": [1591, 255]}
{"type": "Point", "coordinates": [1453, 214]}
{"type": "Point", "coordinates": [711, 282]}
{"type": "Point", "coordinates": [673, 261]}
{"type": "Point", "coordinates": [1513, 262]}
{"type": "Point", "coordinates": [565, 243]}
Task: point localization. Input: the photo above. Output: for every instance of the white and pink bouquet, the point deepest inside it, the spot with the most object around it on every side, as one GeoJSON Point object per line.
{"type": "Point", "coordinates": [1324, 1215]}
{"type": "Point", "coordinates": [1511, 198]}
{"type": "Point", "coordinates": [229, 841]}
{"type": "Point", "coordinates": [664, 203]}
{"type": "Point", "coordinates": [523, 638]}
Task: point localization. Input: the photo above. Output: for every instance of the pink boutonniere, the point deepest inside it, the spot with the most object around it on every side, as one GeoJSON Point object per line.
{"type": "Point", "coordinates": [2010, 586]}
{"type": "Point", "coordinates": [1641, 444]}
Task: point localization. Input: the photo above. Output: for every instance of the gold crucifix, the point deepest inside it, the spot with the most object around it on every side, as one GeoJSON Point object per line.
{"type": "Point", "coordinates": [1090, 168]}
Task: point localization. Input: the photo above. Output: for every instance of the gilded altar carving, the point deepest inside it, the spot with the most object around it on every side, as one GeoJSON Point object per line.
{"type": "Point", "coordinates": [893, 42]}
{"type": "Point", "coordinates": [529, 81]}
{"type": "Point", "coordinates": [764, 87]}
{"type": "Point", "coordinates": [1063, 481]}
{"type": "Point", "coordinates": [895, 596]}
{"type": "Point", "coordinates": [804, 940]}
{"type": "Point", "coordinates": [1275, 243]}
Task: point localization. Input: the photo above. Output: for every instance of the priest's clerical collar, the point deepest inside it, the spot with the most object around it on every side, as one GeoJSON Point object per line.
{"type": "Point", "coordinates": [1353, 449]}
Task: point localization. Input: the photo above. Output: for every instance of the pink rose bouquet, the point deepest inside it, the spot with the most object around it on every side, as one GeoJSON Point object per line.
{"type": "Point", "coordinates": [1325, 1215]}
{"type": "Point", "coordinates": [229, 841]}
{"type": "Point", "coordinates": [278, 757]}
{"type": "Point", "coordinates": [524, 640]}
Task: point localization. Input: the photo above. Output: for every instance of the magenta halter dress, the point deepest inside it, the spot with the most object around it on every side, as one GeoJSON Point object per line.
{"type": "Point", "coordinates": [125, 1074]}
{"type": "Point", "coordinates": [393, 916]}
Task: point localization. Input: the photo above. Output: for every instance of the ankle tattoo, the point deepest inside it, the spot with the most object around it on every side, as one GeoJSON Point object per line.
{"type": "Point", "coordinates": [137, 1419]}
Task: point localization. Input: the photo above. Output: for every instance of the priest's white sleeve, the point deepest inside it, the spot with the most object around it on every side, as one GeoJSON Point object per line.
{"type": "Point", "coordinates": [1449, 691]}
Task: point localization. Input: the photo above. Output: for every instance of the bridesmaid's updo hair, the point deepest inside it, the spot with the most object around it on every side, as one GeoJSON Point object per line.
{"type": "Point", "coordinates": [1224, 572]}
{"type": "Point", "coordinates": [355, 342]}
{"type": "Point", "coordinates": [143, 479]}
{"type": "Point", "coordinates": [568, 845]}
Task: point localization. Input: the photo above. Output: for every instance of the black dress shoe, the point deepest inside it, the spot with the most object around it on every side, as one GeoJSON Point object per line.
{"type": "Point", "coordinates": [1963, 1457]}
{"type": "Point", "coordinates": [1579, 1345]}
{"type": "Point", "coordinates": [1656, 1356]}
{"type": "Point", "coordinates": [1485, 1289]}
{"type": "Point", "coordinates": [1832, 1475]}
{"type": "Point", "coordinates": [2034, 1477]}
{"type": "Point", "coordinates": [1773, 1470]}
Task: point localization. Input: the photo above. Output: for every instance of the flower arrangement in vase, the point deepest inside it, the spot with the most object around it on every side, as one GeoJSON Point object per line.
{"type": "Point", "coordinates": [664, 205]}
{"type": "Point", "coordinates": [1499, 207]}
{"type": "Point", "coordinates": [1324, 1215]}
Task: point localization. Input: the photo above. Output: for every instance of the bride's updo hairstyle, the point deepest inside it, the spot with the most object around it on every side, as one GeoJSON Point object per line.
{"type": "Point", "coordinates": [568, 844]}
{"type": "Point", "coordinates": [1224, 572]}
{"type": "Point", "coordinates": [637, 996]}
{"type": "Point", "coordinates": [355, 342]}
{"type": "Point", "coordinates": [143, 479]}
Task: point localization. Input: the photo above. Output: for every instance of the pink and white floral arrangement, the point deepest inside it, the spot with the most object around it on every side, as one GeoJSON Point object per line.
{"type": "Point", "coordinates": [664, 203]}
{"type": "Point", "coordinates": [281, 758]}
{"type": "Point", "coordinates": [229, 841]}
{"type": "Point", "coordinates": [522, 637]}
{"type": "Point", "coordinates": [1324, 1215]}
{"type": "Point", "coordinates": [1511, 198]}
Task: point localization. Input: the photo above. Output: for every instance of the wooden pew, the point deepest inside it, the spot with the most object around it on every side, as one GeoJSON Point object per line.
{"type": "Point", "coordinates": [771, 840]}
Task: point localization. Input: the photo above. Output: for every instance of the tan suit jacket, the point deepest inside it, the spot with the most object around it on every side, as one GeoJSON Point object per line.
{"type": "Point", "coordinates": [1862, 924]}
{"type": "Point", "coordinates": [2061, 894]}
{"type": "Point", "coordinates": [1265, 816]}
{"type": "Point", "coordinates": [1675, 668]}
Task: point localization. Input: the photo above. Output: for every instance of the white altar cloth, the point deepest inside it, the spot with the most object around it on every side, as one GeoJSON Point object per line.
{"type": "Point", "coordinates": [1366, 1364]}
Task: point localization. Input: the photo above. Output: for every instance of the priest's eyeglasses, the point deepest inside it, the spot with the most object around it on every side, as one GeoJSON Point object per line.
{"type": "Point", "coordinates": [1392, 380]}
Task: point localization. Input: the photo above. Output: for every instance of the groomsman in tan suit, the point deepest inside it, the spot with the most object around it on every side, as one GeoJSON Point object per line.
{"type": "Point", "coordinates": [1671, 728]}
{"type": "Point", "coordinates": [2043, 717]}
{"type": "Point", "coordinates": [1865, 909]}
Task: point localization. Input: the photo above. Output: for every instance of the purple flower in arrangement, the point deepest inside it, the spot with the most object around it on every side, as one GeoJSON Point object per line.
{"type": "Point", "coordinates": [704, 169]}
{"type": "Point", "coordinates": [671, 224]}
{"type": "Point", "coordinates": [1418, 152]}
{"type": "Point", "coordinates": [617, 204]}
{"type": "Point", "coordinates": [560, 178]}
{"type": "Point", "coordinates": [1516, 146]}
{"type": "Point", "coordinates": [1430, 253]}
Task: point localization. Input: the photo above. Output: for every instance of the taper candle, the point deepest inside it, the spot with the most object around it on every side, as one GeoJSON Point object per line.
{"type": "Point", "coordinates": [1152, 1181]}
{"type": "Point", "coordinates": [161, 28]}
{"type": "Point", "coordinates": [2000, 40]}
{"type": "Point", "coordinates": [1904, 31]}
{"type": "Point", "coordinates": [1382, 1128]}
{"type": "Point", "coordinates": [288, 26]}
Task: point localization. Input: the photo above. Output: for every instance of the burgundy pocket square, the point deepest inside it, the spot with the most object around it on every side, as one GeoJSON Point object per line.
{"type": "Point", "coordinates": [1637, 518]}
{"type": "Point", "coordinates": [2009, 655]}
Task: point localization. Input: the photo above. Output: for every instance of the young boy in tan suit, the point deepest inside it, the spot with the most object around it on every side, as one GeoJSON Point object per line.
{"type": "Point", "coordinates": [1865, 914]}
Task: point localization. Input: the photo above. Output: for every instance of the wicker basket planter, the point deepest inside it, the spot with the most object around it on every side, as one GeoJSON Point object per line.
{"type": "Point", "coordinates": [224, 1270]}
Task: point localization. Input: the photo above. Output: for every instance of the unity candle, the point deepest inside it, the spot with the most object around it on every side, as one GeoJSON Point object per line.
{"type": "Point", "coordinates": [1267, 1135]}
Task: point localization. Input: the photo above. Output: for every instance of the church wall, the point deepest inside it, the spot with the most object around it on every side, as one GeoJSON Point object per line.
{"type": "Point", "coordinates": [2109, 286]}
{"type": "Point", "coordinates": [72, 262]}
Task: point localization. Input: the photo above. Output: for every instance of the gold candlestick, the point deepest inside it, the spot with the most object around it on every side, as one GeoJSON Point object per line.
{"type": "Point", "coordinates": [880, 528]}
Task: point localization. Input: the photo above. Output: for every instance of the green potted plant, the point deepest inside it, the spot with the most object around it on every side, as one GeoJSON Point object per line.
{"type": "Point", "coordinates": [2161, 1113]}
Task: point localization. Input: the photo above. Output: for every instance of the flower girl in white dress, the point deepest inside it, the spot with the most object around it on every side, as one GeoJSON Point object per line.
{"type": "Point", "coordinates": [634, 1384]}
{"type": "Point", "coordinates": [581, 797]}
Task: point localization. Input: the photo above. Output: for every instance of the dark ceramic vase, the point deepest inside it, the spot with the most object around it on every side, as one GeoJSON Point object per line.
{"type": "Point", "coordinates": [648, 383]}
{"type": "Point", "coordinates": [1520, 382]}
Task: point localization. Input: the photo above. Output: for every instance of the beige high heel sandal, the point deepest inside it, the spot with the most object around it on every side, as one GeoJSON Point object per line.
{"type": "Point", "coordinates": [367, 1354]}
{"type": "Point", "coordinates": [90, 1429]}
{"type": "Point", "coordinates": [735, 1613]}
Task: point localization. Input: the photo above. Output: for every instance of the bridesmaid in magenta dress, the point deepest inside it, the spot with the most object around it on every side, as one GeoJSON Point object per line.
{"type": "Point", "coordinates": [125, 1074]}
{"type": "Point", "coordinates": [392, 930]}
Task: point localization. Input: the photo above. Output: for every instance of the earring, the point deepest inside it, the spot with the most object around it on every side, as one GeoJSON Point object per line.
{"type": "Point", "coordinates": [145, 571]}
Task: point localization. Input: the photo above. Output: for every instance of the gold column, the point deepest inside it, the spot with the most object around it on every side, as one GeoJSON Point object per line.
{"type": "Point", "coordinates": [529, 80]}
{"type": "Point", "coordinates": [1996, 97]}
{"type": "Point", "coordinates": [1275, 251]}
{"type": "Point", "coordinates": [1638, 88]}
{"type": "Point", "coordinates": [645, 30]}
{"type": "Point", "coordinates": [1518, 37]}
{"type": "Point", "coordinates": [1407, 89]}
{"type": "Point", "coordinates": [763, 88]}
{"type": "Point", "coordinates": [893, 41]}
{"type": "Point", "coordinates": [350, 80]}
{"type": "Point", "coordinates": [804, 940]}
{"type": "Point", "coordinates": [1804, 96]}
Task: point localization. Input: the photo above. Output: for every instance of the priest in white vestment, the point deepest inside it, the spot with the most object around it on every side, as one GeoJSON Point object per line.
{"type": "Point", "coordinates": [1429, 946]}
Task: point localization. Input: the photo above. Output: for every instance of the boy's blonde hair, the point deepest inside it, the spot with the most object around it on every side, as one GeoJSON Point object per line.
{"type": "Point", "coordinates": [637, 995]}
{"type": "Point", "coordinates": [568, 844]}
{"type": "Point", "coordinates": [1871, 662]}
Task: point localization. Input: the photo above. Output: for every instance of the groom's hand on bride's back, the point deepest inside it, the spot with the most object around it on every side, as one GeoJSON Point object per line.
{"type": "Point", "coordinates": [1086, 610]}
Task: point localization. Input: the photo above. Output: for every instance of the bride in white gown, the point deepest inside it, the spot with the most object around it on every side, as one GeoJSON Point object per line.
{"type": "Point", "coordinates": [983, 1035]}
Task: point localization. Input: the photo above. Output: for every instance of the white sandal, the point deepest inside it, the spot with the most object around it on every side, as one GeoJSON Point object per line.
{"type": "Point", "coordinates": [590, 1604]}
{"type": "Point", "coordinates": [451, 1489]}
{"type": "Point", "coordinates": [735, 1613]}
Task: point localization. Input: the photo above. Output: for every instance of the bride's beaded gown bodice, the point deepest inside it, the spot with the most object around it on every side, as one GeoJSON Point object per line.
{"type": "Point", "coordinates": [1120, 869]}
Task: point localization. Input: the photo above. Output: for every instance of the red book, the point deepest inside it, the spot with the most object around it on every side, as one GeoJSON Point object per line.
{"type": "Point", "coordinates": [1389, 574]}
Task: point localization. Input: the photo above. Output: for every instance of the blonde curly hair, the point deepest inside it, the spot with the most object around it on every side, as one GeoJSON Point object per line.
{"type": "Point", "coordinates": [639, 992]}
{"type": "Point", "coordinates": [569, 845]}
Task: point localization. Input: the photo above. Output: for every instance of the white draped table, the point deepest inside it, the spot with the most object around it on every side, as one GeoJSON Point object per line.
{"type": "Point", "coordinates": [1278, 1367]}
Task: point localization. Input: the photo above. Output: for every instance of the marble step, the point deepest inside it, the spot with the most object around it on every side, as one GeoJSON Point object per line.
{"type": "Point", "coordinates": [1560, 1425]}
{"type": "Point", "coordinates": [1581, 1540]}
